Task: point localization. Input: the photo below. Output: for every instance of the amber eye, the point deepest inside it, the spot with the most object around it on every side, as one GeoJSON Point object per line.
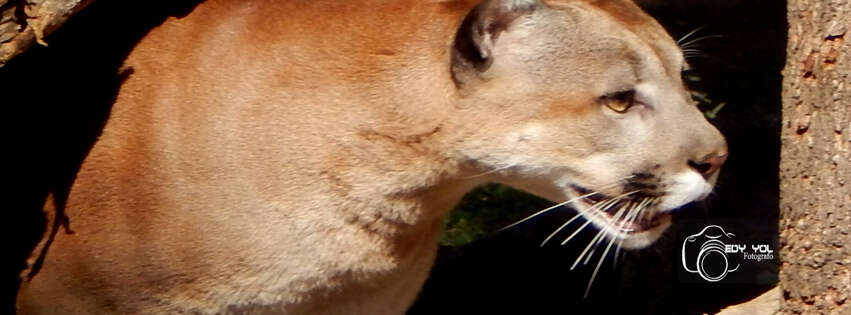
{"type": "Point", "coordinates": [619, 102]}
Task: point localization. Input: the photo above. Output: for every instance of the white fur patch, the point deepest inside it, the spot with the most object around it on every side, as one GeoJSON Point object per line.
{"type": "Point", "coordinates": [531, 131]}
{"type": "Point", "coordinates": [518, 4]}
{"type": "Point", "coordinates": [647, 93]}
{"type": "Point", "coordinates": [685, 187]}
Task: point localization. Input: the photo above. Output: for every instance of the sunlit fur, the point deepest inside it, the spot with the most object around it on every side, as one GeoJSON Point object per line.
{"type": "Point", "coordinates": [298, 157]}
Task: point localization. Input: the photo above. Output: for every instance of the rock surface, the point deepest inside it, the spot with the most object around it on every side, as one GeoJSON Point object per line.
{"type": "Point", "coordinates": [766, 304]}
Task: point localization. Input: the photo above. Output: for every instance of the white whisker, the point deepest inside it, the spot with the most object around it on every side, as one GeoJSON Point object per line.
{"type": "Point", "coordinates": [597, 205]}
{"type": "Point", "coordinates": [491, 171]}
{"type": "Point", "coordinates": [642, 213]}
{"type": "Point", "coordinates": [647, 215]}
{"type": "Point", "coordinates": [548, 209]}
{"type": "Point", "coordinates": [597, 268]}
{"type": "Point", "coordinates": [608, 229]}
{"type": "Point", "coordinates": [599, 234]}
{"type": "Point", "coordinates": [637, 209]}
{"type": "Point", "coordinates": [630, 215]}
{"type": "Point", "coordinates": [565, 203]}
{"type": "Point", "coordinates": [576, 232]}
{"type": "Point", "coordinates": [611, 202]}
{"type": "Point", "coordinates": [578, 215]}
{"type": "Point", "coordinates": [691, 52]}
{"type": "Point", "coordinates": [686, 36]}
{"type": "Point", "coordinates": [593, 240]}
{"type": "Point", "coordinates": [696, 40]}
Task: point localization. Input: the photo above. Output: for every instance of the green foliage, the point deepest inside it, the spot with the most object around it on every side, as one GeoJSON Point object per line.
{"type": "Point", "coordinates": [710, 108]}
{"type": "Point", "coordinates": [713, 113]}
{"type": "Point", "coordinates": [486, 210]}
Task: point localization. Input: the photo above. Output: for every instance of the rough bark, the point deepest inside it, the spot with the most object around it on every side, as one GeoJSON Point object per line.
{"type": "Point", "coordinates": [24, 22]}
{"type": "Point", "coordinates": [815, 168]}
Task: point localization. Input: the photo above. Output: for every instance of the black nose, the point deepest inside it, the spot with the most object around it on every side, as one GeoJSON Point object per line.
{"type": "Point", "coordinates": [709, 164]}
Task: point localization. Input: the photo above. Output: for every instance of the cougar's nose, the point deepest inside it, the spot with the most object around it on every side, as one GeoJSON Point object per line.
{"type": "Point", "coordinates": [709, 164]}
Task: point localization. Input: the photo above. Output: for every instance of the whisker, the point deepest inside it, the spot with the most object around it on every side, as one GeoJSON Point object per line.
{"type": "Point", "coordinates": [593, 240]}
{"type": "Point", "coordinates": [597, 268]}
{"type": "Point", "coordinates": [629, 221]}
{"type": "Point", "coordinates": [566, 202]}
{"type": "Point", "coordinates": [576, 232]}
{"type": "Point", "coordinates": [593, 249]}
{"type": "Point", "coordinates": [578, 215]}
{"type": "Point", "coordinates": [611, 203]}
{"type": "Point", "coordinates": [697, 40]}
{"type": "Point", "coordinates": [693, 56]}
{"type": "Point", "coordinates": [686, 36]}
{"type": "Point", "coordinates": [596, 237]}
{"type": "Point", "coordinates": [647, 214]}
{"type": "Point", "coordinates": [692, 52]}
{"type": "Point", "coordinates": [491, 171]}
{"type": "Point", "coordinates": [591, 254]}
{"type": "Point", "coordinates": [642, 213]}
{"type": "Point", "coordinates": [548, 209]}
{"type": "Point", "coordinates": [626, 177]}
{"type": "Point", "coordinates": [702, 56]}
{"type": "Point", "coordinates": [630, 214]}
{"type": "Point", "coordinates": [617, 251]}
{"type": "Point", "coordinates": [632, 211]}
{"type": "Point", "coordinates": [615, 218]}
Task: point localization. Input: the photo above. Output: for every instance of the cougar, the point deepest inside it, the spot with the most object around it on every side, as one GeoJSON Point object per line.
{"type": "Point", "coordinates": [298, 157]}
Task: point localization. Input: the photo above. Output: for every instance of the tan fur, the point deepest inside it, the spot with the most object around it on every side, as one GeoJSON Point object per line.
{"type": "Point", "coordinates": [298, 156]}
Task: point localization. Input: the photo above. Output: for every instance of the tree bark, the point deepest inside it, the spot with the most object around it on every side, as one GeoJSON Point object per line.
{"type": "Point", "coordinates": [815, 167]}
{"type": "Point", "coordinates": [24, 22]}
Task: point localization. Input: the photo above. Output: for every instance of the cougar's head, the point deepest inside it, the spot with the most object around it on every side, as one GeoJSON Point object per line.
{"type": "Point", "coordinates": [583, 101]}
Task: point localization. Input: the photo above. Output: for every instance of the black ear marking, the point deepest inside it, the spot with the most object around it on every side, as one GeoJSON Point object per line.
{"type": "Point", "coordinates": [475, 39]}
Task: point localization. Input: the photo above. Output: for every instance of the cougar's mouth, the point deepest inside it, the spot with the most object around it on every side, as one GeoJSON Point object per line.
{"type": "Point", "coordinates": [622, 216]}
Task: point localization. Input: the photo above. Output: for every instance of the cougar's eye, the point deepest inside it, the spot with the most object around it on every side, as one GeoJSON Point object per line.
{"type": "Point", "coordinates": [619, 102]}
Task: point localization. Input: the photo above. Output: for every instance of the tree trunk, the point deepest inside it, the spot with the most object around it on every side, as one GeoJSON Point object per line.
{"type": "Point", "coordinates": [815, 167]}
{"type": "Point", "coordinates": [24, 22]}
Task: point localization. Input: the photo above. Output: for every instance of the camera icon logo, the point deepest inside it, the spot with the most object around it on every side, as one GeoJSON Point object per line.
{"type": "Point", "coordinates": [705, 253]}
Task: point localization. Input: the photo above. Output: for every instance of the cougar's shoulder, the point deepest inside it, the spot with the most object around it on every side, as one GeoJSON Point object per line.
{"type": "Point", "coordinates": [299, 156]}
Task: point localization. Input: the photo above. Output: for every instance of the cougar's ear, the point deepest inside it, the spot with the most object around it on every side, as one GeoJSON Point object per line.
{"type": "Point", "coordinates": [474, 42]}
